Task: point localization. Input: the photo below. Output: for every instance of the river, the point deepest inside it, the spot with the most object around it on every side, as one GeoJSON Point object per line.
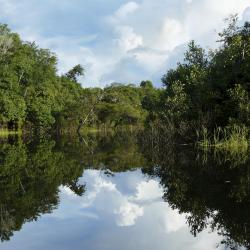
{"type": "Point", "coordinates": [118, 191]}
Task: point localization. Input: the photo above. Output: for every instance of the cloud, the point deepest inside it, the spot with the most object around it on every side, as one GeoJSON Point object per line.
{"type": "Point", "coordinates": [121, 206]}
{"type": "Point", "coordinates": [246, 14]}
{"type": "Point", "coordinates": [125, 10]}
{"type": "Point", "coordinates": [148, 191]}
{"type": "Point", "coordinates": [128, 39]}
{"type": "Point", "coordinates": [142, 209]}
{"type": "Point", "coordinates": [104, 195]}
{"type": "Point", "coordinates": [120, 40]}
{"type": "Point", "coordinates": [114, 213]}
{"type": "Point", "coordinates": [173, 221]}
{"type": "Point", "coordinates": [128, 213]}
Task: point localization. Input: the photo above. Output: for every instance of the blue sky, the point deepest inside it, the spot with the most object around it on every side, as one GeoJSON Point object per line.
{"type": "Point", "coordinates": [118, 40]}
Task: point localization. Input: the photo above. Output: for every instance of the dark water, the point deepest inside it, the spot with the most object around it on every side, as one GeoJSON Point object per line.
{"type": "Point", "coordinates": [119, 191]}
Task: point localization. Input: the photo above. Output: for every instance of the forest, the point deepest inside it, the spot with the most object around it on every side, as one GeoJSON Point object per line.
{"type": "Point", "coordinates": [34, 97]}
{"type": "Point", "coordinates": [205, 97]}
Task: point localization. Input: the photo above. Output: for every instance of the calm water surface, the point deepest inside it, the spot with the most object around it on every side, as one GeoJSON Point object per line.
{"type": "Point", "coordinates": [121, 192]}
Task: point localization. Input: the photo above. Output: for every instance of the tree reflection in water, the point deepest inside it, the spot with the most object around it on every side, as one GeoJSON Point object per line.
{"type": "Point", "coordinates": [211, 187]}
{"type": "Point", "coordinates": [30, 175]}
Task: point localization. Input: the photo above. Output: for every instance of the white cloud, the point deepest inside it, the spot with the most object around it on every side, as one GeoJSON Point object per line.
{"type": "Point", "coordinates": [128, 201]}
{"type": "Point", "coordinates": [67, 191]}
{"type": "Point", "coordinates": [97, 187]}
{"type": "Point", "coordinates": [172, 34]}
{"type": "Point", "coordinates": [173, 221]}
{"type": "Point", "coordinates": [128, 213]}
{"type": "Point", "coordinates": [120, 40]}
{"type": "Point", "coordinates": [148, 190]}
{"type": "Point", "coordinates": [128, 39]}
{"type": "Point", "coordinates": [226, 7]}
{"type": "Point", "coordinates": [125, 10]}
{"type": "Point", "coordinates": [106, 196]}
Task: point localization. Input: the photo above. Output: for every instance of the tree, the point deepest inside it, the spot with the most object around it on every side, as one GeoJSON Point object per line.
{"type": "Point", "coordinates": [146, 84]}
{"type": "Point", "coordinates": [215, 85]}
{"type": "Point", "coordinates": [239, 105]}
{"type": "Point", "coordinates": [12, 109]}
{"type": "Point", "coordinates": [76, 71]}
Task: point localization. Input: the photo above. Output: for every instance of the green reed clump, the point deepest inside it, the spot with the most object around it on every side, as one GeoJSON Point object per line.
{"type": "Point", "coordinates": [233, 138]}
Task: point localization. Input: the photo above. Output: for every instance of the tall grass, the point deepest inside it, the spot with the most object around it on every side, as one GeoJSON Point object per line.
{"type": "Point", "coordinates": [233, 138]}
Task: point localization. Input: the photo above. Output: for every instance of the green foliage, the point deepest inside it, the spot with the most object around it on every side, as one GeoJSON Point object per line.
{"type": "Point", "coordinates": [121, 105]}
{"type": "Point", "coordinates": [146, 84]}
{"type": "Point", "coordinates": [12, 107]}
{"type": "Point", "coordinates": [209, 89]}
{"type": "Point", "coordinates": [176, 102]}
{"type": "Point", "coordinates": [32, 94]}
{"type": "Point", "coordinates": [239, 103]}
{"type": "Point", "coordinates": [233, 139]}
{"type": "Point", "coordinates": [76, 71]}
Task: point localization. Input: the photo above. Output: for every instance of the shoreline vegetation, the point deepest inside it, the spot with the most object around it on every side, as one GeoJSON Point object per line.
{"type": "Point", "coordinates": [204, 101]}
{"type": "Point", "coordinates": [233, 139]}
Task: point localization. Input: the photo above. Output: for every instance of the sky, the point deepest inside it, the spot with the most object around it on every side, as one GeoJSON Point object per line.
{"type": "Point", "coordinates": [118, 40]}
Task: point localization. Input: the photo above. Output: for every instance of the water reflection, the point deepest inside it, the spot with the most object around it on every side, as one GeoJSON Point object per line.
{"type": "Point", "coordinates": [29, 179]}
{"type": "Point", "coordinates": [117, 191]}
{"type": "Point", "coordinates": [213, 188]}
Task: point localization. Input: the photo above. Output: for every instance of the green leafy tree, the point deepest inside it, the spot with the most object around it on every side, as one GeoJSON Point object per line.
{"type": "Point", "coordinates": [76, 71]}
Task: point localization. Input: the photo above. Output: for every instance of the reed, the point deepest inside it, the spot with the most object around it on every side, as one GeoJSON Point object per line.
{"type": "Point", "coordinates": [233, 138]}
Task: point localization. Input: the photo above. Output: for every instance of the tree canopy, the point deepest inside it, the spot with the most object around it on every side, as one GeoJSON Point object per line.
{"type": "Point", "coordinates": [33, 95]}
